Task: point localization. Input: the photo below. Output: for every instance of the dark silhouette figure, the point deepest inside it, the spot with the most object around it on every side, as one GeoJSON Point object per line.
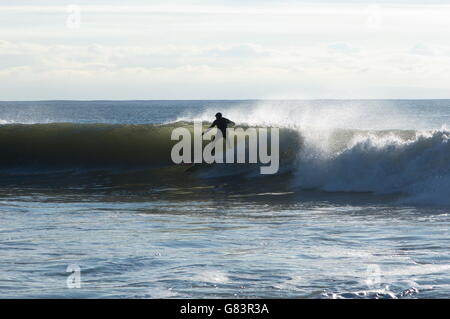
{"type": "Point", "coordinates": [221, 123]}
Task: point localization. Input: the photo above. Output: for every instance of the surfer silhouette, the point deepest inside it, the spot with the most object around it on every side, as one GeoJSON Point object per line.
{"type": "Point", "coordinates": [221, 123]}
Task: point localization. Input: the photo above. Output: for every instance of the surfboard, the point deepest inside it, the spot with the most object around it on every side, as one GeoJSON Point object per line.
{"type": "Point", "coordinates": [196, 166]}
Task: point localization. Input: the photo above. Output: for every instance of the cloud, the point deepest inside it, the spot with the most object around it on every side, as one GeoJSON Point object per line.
{"type": "Point", "coordinates": [421, 49]}
{"type": "Point", "coordinates": [223, 49]}
{"type": "Point", "coordinates": [343, 47]}
{"type": "Point", "coordinates": [238, 50]}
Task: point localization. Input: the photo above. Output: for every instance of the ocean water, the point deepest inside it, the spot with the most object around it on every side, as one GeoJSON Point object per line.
{"type": "Point", "coordinates": [91, 205]}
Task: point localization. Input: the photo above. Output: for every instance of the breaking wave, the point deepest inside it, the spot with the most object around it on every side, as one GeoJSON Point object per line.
{"type": "Point", "coordinates": [411, 163]}
{"type": "Point", "coordinates": [406, 162]}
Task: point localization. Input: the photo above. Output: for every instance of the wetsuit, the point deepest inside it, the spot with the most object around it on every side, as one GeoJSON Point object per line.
{"type": "Point", "coordinates": [222, 124]}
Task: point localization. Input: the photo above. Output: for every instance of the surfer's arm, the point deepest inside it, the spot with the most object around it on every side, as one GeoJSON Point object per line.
{"type": "Point", "coordinates": [210, 127]}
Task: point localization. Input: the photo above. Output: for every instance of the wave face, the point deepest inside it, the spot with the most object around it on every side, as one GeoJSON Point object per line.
{"type": "Point", "coordinates": [406, 162]}
{"type": "Point", "coordinates": [66, 145]}
{"type": "Point", "coordinates": [39, 148]}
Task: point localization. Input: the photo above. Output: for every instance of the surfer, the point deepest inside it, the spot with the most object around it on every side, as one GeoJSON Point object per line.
{"type": "Point", "coordinates": [221, 123]}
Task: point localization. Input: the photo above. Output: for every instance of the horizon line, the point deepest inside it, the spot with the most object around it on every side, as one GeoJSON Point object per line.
{"type": "Point", "coordinates": [252, 99]}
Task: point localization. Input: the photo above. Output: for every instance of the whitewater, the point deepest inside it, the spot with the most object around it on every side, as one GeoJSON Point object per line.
{"type": "Point", "coordinates": [362, 185]}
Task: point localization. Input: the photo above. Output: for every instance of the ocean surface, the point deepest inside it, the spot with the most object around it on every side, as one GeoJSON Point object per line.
{"type": "Point", "coordinates": [91, 205]}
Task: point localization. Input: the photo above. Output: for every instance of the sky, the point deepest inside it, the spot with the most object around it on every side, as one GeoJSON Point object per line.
{"type": "Point", "coordinates": [186, 49]}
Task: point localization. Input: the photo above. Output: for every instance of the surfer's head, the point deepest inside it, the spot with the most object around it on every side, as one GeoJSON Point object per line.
{"type": "Point", "coordinates": [218, 115]}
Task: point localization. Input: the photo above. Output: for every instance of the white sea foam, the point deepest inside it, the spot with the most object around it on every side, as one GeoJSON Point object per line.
{"type": "Point", "coordinates": [417, 167]}
{"type": "Point", "coordinates": [212, 276]}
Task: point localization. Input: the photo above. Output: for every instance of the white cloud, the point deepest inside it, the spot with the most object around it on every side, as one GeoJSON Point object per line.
{"type": "Point", "coordinates": [421, 49]}
{"type": "Point", "coordinates": [222, 50]}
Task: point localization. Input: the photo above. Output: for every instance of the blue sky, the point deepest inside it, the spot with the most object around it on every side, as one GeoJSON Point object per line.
{"type": "Point", "coordinates": [224, 49]}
